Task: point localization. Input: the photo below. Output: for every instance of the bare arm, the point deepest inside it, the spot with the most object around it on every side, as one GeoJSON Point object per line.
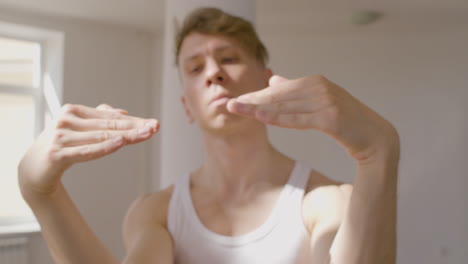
{"type": "Point", "coordinates": [81, 134]}
{"type": "Point", "coordinates": [368, 231]}
{"type": "Point", "coordinates": [68, 236]}
{"type": "Point", "coordinates": [357, 224]}
{"type": "Point", "coordinates": [145, 232]}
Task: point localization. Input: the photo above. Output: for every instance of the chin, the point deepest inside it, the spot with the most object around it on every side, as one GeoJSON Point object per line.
{"type": "Point", "coordinates": [225, 124]}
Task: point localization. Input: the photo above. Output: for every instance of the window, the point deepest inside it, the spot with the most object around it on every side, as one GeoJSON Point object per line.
{"type": "Point", "coordinates": [30, 69]}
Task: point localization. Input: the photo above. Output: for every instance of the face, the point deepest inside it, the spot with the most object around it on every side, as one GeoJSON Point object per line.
{"type": "Point", "coordinates": [213, 70]}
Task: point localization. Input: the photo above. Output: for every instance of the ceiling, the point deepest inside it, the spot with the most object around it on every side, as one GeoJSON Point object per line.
{"type": "Point", "coordinates": [149, 14]}
{"type": "Point", "coordinates": [145, 14]}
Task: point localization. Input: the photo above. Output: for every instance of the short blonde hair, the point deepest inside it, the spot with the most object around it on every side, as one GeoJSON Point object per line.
{"type": "Point", "coordinates": [214, 21]}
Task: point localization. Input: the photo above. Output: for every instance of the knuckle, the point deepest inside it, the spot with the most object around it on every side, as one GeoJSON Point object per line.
{"type": "Point", "coordinates": [68, 108]}
{"type": "Point", "coordinates": [58, 135]}
{"type": "Point", "coordinates": [85, 152]}
{"type": "Point", "coordinates": [62, 122]}
{"type": "Point", "coordinates": [103, 106]}
{"type": "Point", "coordinates": [54, 155]}
{"type": "Point", "coordinates": [115, 115]}
{"type": "Point", "coordinates": [108, 148]}
{"type": "Point", "coordinates": [328, 100]}
{"type": "Point", "coordinates": [104, 135]}
{"type": "Point", "coordinates": [282, 107]}
{"type": "Point", "coordinates": [110, 124]}
{"type": "Point", "coordinates": [131, 136]}
{"type": "Point", "coordinates": [321, 89]}
{"type": "Point", "coordinates": [120, 124]}
{"type": "Point", "coordinates": [320, 78]}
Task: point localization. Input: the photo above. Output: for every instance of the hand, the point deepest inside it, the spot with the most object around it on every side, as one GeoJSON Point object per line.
{"type": "Point", "coordinates": [316, 103]}
{"type": "Point", "coordinates": [80, 134]}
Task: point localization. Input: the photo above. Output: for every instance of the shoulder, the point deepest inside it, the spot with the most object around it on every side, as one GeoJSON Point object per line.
{"type": "Point", "coordinates": [325, 200]}
{"type": "Point", "coordinates": [147, 212]}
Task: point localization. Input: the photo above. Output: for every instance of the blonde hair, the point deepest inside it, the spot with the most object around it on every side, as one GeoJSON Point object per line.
{"type": "Point", "coordinates": [214, 21]}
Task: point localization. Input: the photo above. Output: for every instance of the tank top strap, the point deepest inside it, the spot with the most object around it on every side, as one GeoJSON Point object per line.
{"type": "Point", "coordinates": [294, 190]}
{"type": "Point", "coordinates": [300, 177]}
{"type": "Point", "coordinates": [175, 215]}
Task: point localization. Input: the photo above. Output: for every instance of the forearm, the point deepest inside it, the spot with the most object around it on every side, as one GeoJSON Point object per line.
{"type": "Point", "coordinates": [68, 236]}
{"type": "Point", "coordinates": [368, 231]}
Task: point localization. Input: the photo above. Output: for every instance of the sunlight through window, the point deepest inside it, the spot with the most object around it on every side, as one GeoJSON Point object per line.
{"type": "Point", "coordinates": [19, 82]}
{"type": "Point", "coordinates": [19, 62]}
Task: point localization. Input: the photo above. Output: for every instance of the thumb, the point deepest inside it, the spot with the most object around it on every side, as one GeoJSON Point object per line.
{"type": "Point", "coordinates": [276, 79]}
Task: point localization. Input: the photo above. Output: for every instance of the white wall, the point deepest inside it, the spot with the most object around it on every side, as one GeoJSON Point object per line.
{"type": "Point", "coordinates": [416, 77]}
{"type": "Point", "coordinates": [112, 64]}
{"type": "Point", "coordinates": [412, 70]}
{"type": "Point", "coordinates": [181, 148]}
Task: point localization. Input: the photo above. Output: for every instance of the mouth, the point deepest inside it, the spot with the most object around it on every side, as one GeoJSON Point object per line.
{"type": "Point", "coordinates": [221, 99]}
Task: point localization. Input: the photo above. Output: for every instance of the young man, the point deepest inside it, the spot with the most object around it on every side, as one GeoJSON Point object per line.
{"type": "Point", "coordinates": [247, 203]}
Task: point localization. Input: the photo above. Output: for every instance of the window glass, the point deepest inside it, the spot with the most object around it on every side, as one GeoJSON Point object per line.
{"type": "Point", "coordinates": [19, 62]}
{"type": "Point", "coordinates": [16, 135]}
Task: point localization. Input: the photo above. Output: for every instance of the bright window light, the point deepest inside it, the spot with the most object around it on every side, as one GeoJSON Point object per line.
{"type": "Point", "coordinates": [19, 100]}
{"type": "Point", "coordinates": [19, 62]}
{"type": "Point", "coordinates": [16, 135]}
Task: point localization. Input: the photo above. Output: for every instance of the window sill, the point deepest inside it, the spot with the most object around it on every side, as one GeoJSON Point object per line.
{"type": "Point", "coordinates": [12, 230]}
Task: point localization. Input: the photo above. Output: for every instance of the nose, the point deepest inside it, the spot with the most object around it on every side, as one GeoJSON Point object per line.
{"type": "Point", "coordinates": [214, 74]}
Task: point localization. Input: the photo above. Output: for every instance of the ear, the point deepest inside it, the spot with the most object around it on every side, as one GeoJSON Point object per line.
{"type": "Point", "coordinates": [188, 114]}
{"type": "Point", "coordinates": [267, 75]}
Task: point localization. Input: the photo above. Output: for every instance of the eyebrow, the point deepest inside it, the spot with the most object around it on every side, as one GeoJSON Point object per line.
{"type": "Point", "coordinates": [194, 56]}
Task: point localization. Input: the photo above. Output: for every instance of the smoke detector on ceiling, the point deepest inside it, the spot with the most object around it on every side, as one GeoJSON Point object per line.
{"type": "Point", "coordinates": [365, 17]}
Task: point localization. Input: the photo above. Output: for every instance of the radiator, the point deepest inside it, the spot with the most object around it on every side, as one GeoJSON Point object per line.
{"type": "Point", "coordinates": [14, 251]}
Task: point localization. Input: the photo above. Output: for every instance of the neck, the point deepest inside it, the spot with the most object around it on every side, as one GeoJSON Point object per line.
{"type": "Point", "coordinates": [235, 164]}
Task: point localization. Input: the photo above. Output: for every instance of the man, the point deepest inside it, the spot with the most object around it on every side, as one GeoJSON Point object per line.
{"type": "Point", "coordinates": [247, 203]}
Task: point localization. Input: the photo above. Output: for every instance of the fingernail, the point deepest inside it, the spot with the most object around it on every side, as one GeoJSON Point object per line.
{"type": "Point", "coordinates": [152, 124]}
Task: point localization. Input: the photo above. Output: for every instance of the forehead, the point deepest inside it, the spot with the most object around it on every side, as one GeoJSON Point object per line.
{"type": "Point", "coordinates": [197, 44]}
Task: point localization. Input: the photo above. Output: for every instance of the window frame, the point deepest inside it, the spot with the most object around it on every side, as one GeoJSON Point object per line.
{"type": "Point", "coordinates": [51, 53]}
{"type": "Point", "coordinates": [35, 92]}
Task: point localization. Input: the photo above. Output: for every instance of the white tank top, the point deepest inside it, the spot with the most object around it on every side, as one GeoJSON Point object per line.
{"type": "Point", "coordinates": [281, 239]}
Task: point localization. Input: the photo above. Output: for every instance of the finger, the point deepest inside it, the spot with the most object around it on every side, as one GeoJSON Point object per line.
{"type": "Point", "coordinates": [267, 95]}
{"type": "Point", "coordinates": [297, 120]}
{"type": "Point", "coordinates": [275, 80]}
{"type": "Point", "coordinates": [89, 152]}
{"type": "Point", "coordinates": [79, 124]}
{"type": "Point", "coordinates": [284, 91]}
{"type": "Point", "coordinates": [308, 105]}
{"type": "Point", "coordinates": [294, 106]}
{"type": "Point", "coordinates": [110, 108]}
{"type": "Point", "coordinates": [285, 112]}
{"type": "Point", "coordinates": [325, 120]}
{"type": "Point", "coordinates": [89, 112]}
{"type": "Point", "coordinates": [104, 107]}
{"type": "Point", "coordinates": [241, 108]}
{"type": "Point", "coordinates": [70, 138]}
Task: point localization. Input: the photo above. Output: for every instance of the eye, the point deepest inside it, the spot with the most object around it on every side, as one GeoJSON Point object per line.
{"type": "Point", "coordinates": [228, 59]}
{"type": "Point", "coordinates": [195, 69]}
